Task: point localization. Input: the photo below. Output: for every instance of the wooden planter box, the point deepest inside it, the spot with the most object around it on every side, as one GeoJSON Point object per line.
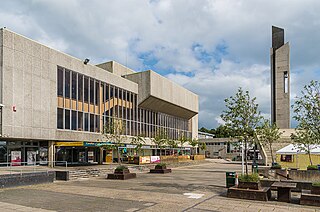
{"type": "Point", "coordinates": [160, 170]}
{"type": "Point", "coordinates": [315, 190]}
{"type": "Point", "coordinates": [122, 175]}
{"type": "Point", "coordinates": [250, 185]}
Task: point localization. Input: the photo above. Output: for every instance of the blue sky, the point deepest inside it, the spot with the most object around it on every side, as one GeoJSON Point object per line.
{"type": "Point", "coordinates": [210, 47]}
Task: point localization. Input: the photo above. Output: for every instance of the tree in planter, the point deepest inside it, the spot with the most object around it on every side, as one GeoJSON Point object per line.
{"type": "Point", "coordinates": [194, 142]}
{"type": "Point", "coordinates": [269, 134]}
{"type": "Point", "coordinates": [242, 116]}
{"type": "Point", "coordinates": [307, 114]}
{"type": "Point", "coordinates": [182, 140]}
{"type": "Point", "coordinates": [172, 143]}
{"type": "Point", "coordinates": [115, 132]}
{"type": "Point", "coordinates": [138, 141]}
{"type": "Point", "coordinates": [160, 139]}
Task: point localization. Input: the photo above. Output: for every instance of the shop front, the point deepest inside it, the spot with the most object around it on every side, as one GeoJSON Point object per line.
{"type": "Point", "coordinates": [17, 153]}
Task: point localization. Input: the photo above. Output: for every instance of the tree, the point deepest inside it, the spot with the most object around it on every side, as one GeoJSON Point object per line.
{"type": "Point", "coordinates": [194, 142]}
{"type": "Point", "coordinates": [242, 116]}
{"type": "Point", "coordinates": [138, 141]}
{"type": "Point", "coordinates": [307, 114]}
{"type": "Point", "coordinates": [114, 131]}
{"type": "Point", "coordinates": [268, 134]}
{"type": "Point", "coordinates": [303, 139]}
{"type": "Point", "coordinates": [202, 146]}
{"type": "Point", "coordinates": [182, 140]}
{"type": "Point", "coordinates": [160, 139]}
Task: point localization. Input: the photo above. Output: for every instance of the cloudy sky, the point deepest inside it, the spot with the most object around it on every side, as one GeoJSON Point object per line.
{"type": "Point", "coordinates": [211, 47]}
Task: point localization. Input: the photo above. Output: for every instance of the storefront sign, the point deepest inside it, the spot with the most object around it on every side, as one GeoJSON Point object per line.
{"type": "Point", "coordinates": [77, 143]}
{"type": "Point", "coordinates": [16, 158]}
{"type": "Point", "coordinates": [130, 146]}
{"type": "Point", "coordinates": [155, 159]}
{"type": "Point", "coordinates": [144, 159]}
{"type": "Point", "coordinates": [145, 147]}
{"type": "Point", "coordinates": [89, 144]}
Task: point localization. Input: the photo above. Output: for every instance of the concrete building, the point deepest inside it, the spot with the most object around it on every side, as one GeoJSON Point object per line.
{"type": "Point", "coordinates": [54, 107]}
{"type": "Point", "coordinates": [280, 79]}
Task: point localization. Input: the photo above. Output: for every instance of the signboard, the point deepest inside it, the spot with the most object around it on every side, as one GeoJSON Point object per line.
{"type": "Point", "coordinates": [130, 146]}
{"type": "Point", "coordinates": [31, 157]}
{"type": "Point", "coordinates": [77, 143]}
{"type": "Point", "coordinates": [144, 159]}
{"type": "Point", "coordinates": [16, 158]}
{"type": "Point", "coordinates": [93, 144]}
{"type": "Point", "coordinates": [155, 159]}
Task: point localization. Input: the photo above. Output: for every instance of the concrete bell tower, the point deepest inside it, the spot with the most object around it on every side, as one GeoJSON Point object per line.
{"type": "Point", "coordinates": [280, 79]}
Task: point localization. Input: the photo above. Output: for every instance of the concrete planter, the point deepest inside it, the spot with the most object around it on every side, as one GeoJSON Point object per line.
{"type": "Point", "coordinates": [160, 170]}
{"type": "Point", "coordinates": [250, 185]}
{"type": "Point", "coordinates": [123, 174]}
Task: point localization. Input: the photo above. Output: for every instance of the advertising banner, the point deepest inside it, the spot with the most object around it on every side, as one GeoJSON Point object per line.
{"type": "Point", "coordinates": [43, 155]}
{"type": "Point", "coordinates": [155, 159]}
{"type": "Point", "coordinates": [16, 158]}
{"type": "Point", "coordinates": [144, 159]}
{"type": "Point", "coordinates": [31, 157]}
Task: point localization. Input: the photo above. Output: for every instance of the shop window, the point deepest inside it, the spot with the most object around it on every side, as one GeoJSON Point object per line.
{"type": "Point", "coordinates": [60, 81]}
{"type": "Point", "coordinates": [80, 87]}
{"type": "Point", "coordinates": [67, 84]}
{"type": "Point", "coordinates": [286, 158]}
{"type": "Point", "coordinates": [74, 86]}
{"type": "Point", "coordinates": [91, 123]}
{"type": "Point", "coordinates": [60, 118]}
{"type": "Point", "coordinates": [67, 119]}
{"type": "Point", "coordinates": [91, 91]}
{"type": "Point", "coordinates": [80, 121]}
{"type": "Point", "coordinates": [74, 120]}
{"type": "Point", "coordinates": [86, 89]}
{"type": "Point", "coordinates": [86, 122]}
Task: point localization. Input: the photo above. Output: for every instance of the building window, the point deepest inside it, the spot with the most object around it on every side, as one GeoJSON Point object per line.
{"type": "Point", "coordinates": [60, 81]}
{"type": "Point", "coordinates": [74, 120]}
{"type": "Point", "coordinates": [91, 91]}
{"type": "Point", "coordinates": [86, 89]}
{"type": "Point", "coordinates": [60, 118]}
{"type": "Point", "coordinates": [80, 87]}
{"type": "Point", "coordinates": [286, 81]}
{"type": "Point", "coordinates": [91, 123]}
{"type": "Point", "coordinates": [67, 84]}
{"type": "Point", "coordinates": [67, 119]}
{"type": "Point", "coordinates": [286, 158]}
{"type": "Point", "coordinates": [97, 124]}
{"type": "Point", "coordinates": [86, 122]}
{"type": "Point", "coordinates": [97, 93]}
{"type": "Point", "coordinates": [74, 86]}
{"type": "Point", "coordinates": [80, 121]}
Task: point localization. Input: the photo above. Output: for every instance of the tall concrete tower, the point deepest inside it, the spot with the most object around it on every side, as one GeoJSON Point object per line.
{"type": "Point", "coordinates": [280, 79]}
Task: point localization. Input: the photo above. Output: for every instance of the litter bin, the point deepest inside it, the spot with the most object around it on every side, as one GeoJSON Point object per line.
{"type": "Point", "coordinates": [230, 179]}
{"type": "Point", "coordinates": [254, 168]}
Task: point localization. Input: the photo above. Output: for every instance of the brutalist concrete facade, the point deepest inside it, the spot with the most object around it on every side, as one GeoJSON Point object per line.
{"type": "Point", "coordinates": [28, 82]}
{"type": "Point", "coordinates": [280, 79]}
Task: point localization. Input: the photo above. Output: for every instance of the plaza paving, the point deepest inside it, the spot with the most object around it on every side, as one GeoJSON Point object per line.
{"type": "Point", "coordinates": [198, 187]}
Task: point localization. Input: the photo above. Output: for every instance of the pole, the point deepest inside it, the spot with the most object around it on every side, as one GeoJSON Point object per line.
{"type": "Point", "coordinates": [242, 158]}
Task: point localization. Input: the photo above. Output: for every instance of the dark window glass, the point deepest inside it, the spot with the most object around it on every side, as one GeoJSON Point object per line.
{"type": "Point", "coordinates": [80, 121]}
{"type": "Point", "coordinates": [116, 92]}
{"type": "Point", "coordinates": [60, 118]}
{"type": "Point", "coordinates": [91, 91]}
{"type": "Point", "coordinates": [97, 124]}
{"type": "Point", "coordinates": [74, 120]}
{"type": "Point", "coordinates": [67, 84]}
{"type": "Point", "coordinates": [86, 89]}
{"type": "Point", "coordinates": [80, 87]}
{"type": "Point", "coordinates": [91, 123]}
{"type": "Point", "coordinates": [111, 91]}
{"type": "Point", "coordinates": [67, 119]}
{"type": "Point", "coordinates": [107, 92]}
{"type": "Point", "coordinates": [97, 93]}
{"type": "Point", "coordinates": [86, 122]}
{"type": "Point", "coordinates": [60, 81]}
{"type": "Point", "coordinates": [74, 85]}
{"type": "Point", "coordinates": [120, 93]}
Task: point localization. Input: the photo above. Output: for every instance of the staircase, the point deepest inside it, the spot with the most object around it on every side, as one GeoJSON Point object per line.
{"type": "Point", "coordinates": [266, 152]}
{"type": "Point", "coordinates": [76, 174]}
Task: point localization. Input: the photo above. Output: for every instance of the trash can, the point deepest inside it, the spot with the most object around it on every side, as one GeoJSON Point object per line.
{"type": "Point", "coordinates": [254, 168]}
{"type": "Point", "coordinates": [230, 179]}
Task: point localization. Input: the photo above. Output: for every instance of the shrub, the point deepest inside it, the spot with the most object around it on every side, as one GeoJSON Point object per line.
{"type": "Point", "coordinates": [160, 165]}
{"type": "Point", "coordinates": [121, 168]}
{"type": "Point", "coordinates": [312, 167]}
{"type": "Point", "coordinates": [249, 178]}
{"type": "Point", "coordinates": [276, 166]}
{"type": "Point", "coordinates": [317, 184]}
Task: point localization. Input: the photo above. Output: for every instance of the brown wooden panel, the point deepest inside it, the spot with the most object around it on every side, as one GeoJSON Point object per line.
{"type": "Point", "coordinates": [67, 103]}
{"type": "Point", "coordinates": [96, 109]}
{"type": "Point", "coordinates": [85, 107]}
{"type": "Point", "coordinates": [60, 102]}
{"type": "Point", "coordinates": [91, 108]}
{"type": "Point", "coordinates": [80, 106]}
{"type": "Point", "coordinates": [74, 104]}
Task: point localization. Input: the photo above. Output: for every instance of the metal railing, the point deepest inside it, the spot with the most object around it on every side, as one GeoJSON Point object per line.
{"type": "Point", "coordinates": [27, 167]}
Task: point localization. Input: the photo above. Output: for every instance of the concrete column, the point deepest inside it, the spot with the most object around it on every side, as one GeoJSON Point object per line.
{"type": "Point", "coordinates": [51, 153]}
{"type": "Point", "coordinates": [101, 156]}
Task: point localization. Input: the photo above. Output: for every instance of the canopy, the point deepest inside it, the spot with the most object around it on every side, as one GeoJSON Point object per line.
{"type": "Point", "coordinates": [293, 149]}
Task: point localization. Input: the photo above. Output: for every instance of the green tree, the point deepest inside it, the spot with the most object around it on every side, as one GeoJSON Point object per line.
{"type": "Point", "coordinates": [182, 140]}
{"type": "Point", "coordinates": [115, 132]}
{"type": "Point", "coordinates": [202, 146]}
{"type": "Point", "coordinates": [194, 142]}
{"type": "Point", "coordinates": [160, 139]}
{"type": "Point", "coordinates": [138, 141]}
{"type": "Point", "coordinates": [242, 116]}
{"type": "Point", "coordinates": [269, 134]}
